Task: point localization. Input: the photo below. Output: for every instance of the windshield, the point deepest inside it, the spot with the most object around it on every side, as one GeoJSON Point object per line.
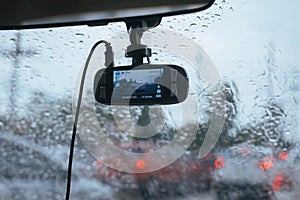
{"type": "Point", "coordinates": [254, 48]}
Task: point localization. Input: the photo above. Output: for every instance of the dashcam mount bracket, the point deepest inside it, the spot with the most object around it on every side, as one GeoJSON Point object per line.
{"type": "Point", "coordinates": [136, 28]}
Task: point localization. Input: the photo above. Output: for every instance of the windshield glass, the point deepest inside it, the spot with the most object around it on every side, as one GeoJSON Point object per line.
{"type": "Point", "coordinates": [254, 48]}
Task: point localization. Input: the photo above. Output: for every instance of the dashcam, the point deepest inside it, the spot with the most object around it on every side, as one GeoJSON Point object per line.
{"type": "Point", "coordinates": [141, 85]}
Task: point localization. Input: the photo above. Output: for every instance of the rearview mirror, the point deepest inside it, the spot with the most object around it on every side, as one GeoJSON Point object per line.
{"type": "Point", "coordinates": [142, 85]}
{"type": "Point", "coordinates": [16, 14]}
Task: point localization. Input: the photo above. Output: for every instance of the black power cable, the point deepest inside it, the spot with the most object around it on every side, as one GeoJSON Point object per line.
{"type": "Point", "coordinates": [109, 62]}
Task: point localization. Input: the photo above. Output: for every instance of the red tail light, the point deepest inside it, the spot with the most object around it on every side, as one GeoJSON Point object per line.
{"type": "Point", "coordinates": [219, 163]}
{"type": "Point", "coordinates": [267, 163]}
{"type": "Point", "coordinates": [140, 164]}
{"type": "Point", "coordinates": [283, 155]}
{"type": "Point", "coordinates": [281, 183]}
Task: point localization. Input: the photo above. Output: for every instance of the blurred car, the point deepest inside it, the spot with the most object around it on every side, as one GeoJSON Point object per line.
{"type": "Point", "coordinates": [188, 170]}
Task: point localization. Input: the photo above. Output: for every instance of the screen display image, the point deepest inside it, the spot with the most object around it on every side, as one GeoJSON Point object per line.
{"type": "Point", "coordinates": [138, 84]}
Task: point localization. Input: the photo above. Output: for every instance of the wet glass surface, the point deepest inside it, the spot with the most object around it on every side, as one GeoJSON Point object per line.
{"type": "Point", "coordinates": [255, 48]}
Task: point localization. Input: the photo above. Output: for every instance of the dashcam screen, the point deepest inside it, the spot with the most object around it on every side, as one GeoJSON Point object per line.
{"type": "Point", "coordinates": [138, 84]}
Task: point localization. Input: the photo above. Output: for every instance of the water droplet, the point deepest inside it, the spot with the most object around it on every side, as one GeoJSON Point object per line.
{"type": "Point", "coordinates": [79, 34]}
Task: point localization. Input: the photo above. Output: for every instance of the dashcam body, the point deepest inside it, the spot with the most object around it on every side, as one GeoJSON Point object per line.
{"type": "Point", "coordinates": [146, 84]}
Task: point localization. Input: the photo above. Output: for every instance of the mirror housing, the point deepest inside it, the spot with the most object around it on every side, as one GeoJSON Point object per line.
{"type": "Point", "coordinates": [23, 14]}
